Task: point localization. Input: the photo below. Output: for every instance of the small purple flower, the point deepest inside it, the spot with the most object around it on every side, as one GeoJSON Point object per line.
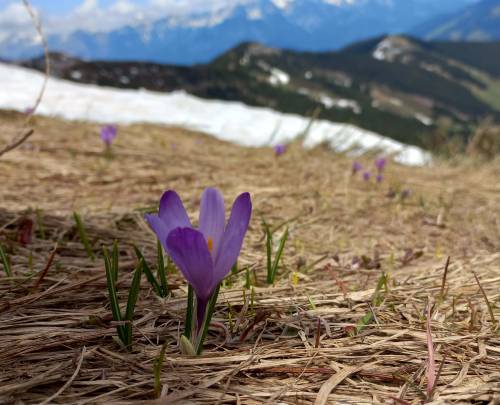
{"type": "Point", "coordinates": [108, 134]}
{"type": "Point", "coordinates": [379, 178]}
{"type": "Point", "coordinates": [204, 256]}
{"type": "Point", "coordinates": [279, 149]}
{"type": "Point", "coordinates": [367, 176]}
{"type": "Point", "coordinates": [29, 110]}
{"type": "Point", "coordinates": [380, 164]}
{"type": "Point", "coordinates": [356, 167]}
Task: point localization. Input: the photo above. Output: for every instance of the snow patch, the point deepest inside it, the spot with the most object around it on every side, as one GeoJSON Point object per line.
{"type": "Point", "coordinates": [278, 77]}
{"type": "Point", "coordinates": [341, 103]}
{"type": "Point", "coordinates": [229, 121]}
{"type": "Point", "coordinates": [424, 119]}
{"type": "Point", "coordinates": [76, 75]}
{"type": "Point", "coordinates": [386, 50]}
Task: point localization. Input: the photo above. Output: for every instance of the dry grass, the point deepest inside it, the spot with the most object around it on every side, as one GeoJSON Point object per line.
{"type": "Point", "coordinates": [56, 339]}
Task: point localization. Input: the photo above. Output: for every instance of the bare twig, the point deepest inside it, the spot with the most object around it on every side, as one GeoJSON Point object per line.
{"type": "Point", "coordinates": [443, 282]}
{"type": "Point", "coordinates": [47, 267]}
{"type": "Point", "coordinates": [26, 132]}
{"type": "Point", "coordinates": [488, 304]}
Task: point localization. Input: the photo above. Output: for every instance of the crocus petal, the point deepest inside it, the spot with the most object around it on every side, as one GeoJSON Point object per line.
{"type": "Point", "coordinates": [158, 227]}
{"type": "Point", "coordinates": [232, 239]}
{"type": "Point", "coordinates": [172, 212]}
{"type": "Point", "coordinates": [188, 249]}
{"type": "Point", "coordinates": [212, 218]}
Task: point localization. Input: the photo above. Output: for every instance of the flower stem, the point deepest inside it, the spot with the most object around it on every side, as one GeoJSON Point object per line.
{"type": "Point", "coordinates": [208, 318]}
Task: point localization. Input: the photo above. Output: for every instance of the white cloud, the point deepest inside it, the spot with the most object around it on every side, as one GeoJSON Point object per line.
{"type": "Point", "coordinates": [87, 6]}
{"type": "Point", "coordinates": [14, 19]}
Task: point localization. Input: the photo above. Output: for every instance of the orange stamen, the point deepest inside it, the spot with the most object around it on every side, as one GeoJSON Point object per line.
{"type": "Point", "coordinates": [210, 243]}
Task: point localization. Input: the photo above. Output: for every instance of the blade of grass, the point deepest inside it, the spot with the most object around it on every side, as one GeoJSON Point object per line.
{"type": "Point", "coordinates": [83, 235]}
{"type": "Point", "coordinates": [279, 253]}
{"type": "Point", "coordinates": [158, 364]}
{"type": "Point", "coordinates": [149, 274]}
{"type": "Point", "coordinates": [161, 270]}
{"type": "Point", "coordinates": [248, 282]}
{"type": "Point", "coordinates": [188, 323]}
{"type": "Point", "coordinates": [377, 299]}
{"type": "Point", "coordinates": [113, 298]}
{"type": "Point", "coordinates": [39, 221]}
{"type": "Point", "coordinates": [135, 287]}
{"type": "Point", "coordinates": [207, 320]}
{"type": "Point", "coordinates": [5, 262]}
{"type": "Point", "coordinates": [114, 263]}
{"type": "Point", "coordinates": [269, 241]}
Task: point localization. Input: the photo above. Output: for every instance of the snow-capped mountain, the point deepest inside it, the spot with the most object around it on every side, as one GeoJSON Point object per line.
{"type": "Point", "coordinates": [192, 32]}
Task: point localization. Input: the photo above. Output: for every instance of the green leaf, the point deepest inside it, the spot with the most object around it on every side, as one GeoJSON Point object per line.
{"type": "Point", "coordinates": [248, 282]}
{"type": "Point", "coordinates": [5, 262]}
{"type": "Point", "coordinates": [188, 323]}
{"type": "Point", "coordinates": [208, 319]}
{"type": "Point", "coordinates": [39, 222]}
{"type": "Point", "coordinates": [83, 235]}
{"type": "Point", "coordinates": [187, 347]}
{"type": "Point", "coordinates": [113, 298]}
{"type": "Point", "coordinates": [158, 364]}
{"type": "Point", "coordinates": [279, 253]}
{"type": "Point", "coordinates": [114, 262]}
{"type": "Point", "coordinates": [149, 274]}
{"type": "Point", "coordinates": [161, 271]}
{"type": "Point", "coordinates": [269, 253]}
{"type": "Point", "coordinates": [133, 294]}
{"type": "Point", "coordinates": [377, 300]}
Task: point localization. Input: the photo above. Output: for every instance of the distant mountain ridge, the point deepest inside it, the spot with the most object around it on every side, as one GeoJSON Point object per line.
{"type": "Point", "coordinates": [397, 86]}
{"type": "Point", "coordinates": [477, 22]}
{"type": "Point", "coordinates": [198, 37]}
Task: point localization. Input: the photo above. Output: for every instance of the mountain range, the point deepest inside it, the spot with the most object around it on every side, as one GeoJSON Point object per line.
{"type": "Point", "coordinates": [478, 22]}
{"type": "Point", "coordinates": [397, 86]}
{"type": "Point", "coordinates": [199, 35]}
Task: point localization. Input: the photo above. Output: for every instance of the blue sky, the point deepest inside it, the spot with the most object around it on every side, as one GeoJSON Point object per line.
{"type": "Point", "coordinates": [58, 7]}
{"type": "Point", "coordinates": [64, 16]}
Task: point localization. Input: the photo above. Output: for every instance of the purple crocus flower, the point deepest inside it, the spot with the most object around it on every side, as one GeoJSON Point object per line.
{"type": "Point", "coordinates": [379, 178]}
{"type": "Point", "coordinates": [367, 176]}
{"type": "Point", "coordinates": [356, 167]}
{"type": "Point", "coordinates": [205, 255]}
{"type": "Point", "coordinates": [108, 134]}
{"type": "Point", "coordinates": [279, 149]}
{"type": "Point", "coordinates": [380, 164]}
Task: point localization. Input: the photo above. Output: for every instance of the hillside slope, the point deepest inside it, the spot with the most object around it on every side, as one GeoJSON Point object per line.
{"type": "Point", "coordinates": [396, 86]}
{"type": "Point", "coordinates": [324, 317]}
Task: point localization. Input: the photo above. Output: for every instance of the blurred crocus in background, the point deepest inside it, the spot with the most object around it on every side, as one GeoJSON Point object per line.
{"type": "Point", "coordinates": [379, 178]}
{"type": "Point", "coordinates": [367, 176]}
{"type": "Point", "coordinates": [356, 167]}
{"type": "Point", "coordinates": [108, 134]}
{"type": "Point", "coordinates": [205, 255]}
{"type": "Point", "coordinates": [280, 149]}
{"type": "Point", "coordinates": [380, 164]}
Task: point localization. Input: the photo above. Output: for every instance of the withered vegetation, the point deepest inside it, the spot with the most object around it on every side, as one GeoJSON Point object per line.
{"type": "Point", "coordinates": [322, 334]}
